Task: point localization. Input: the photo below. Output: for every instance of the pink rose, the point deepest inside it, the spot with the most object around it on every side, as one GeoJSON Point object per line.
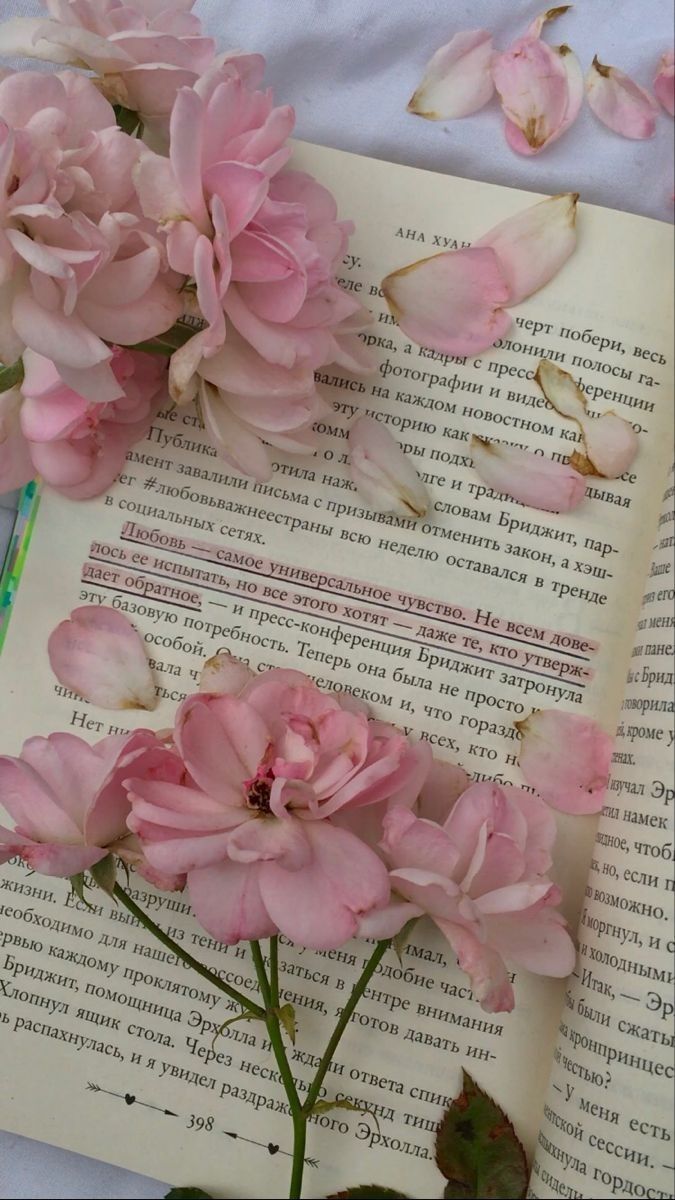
{"type": "Point", "coordinates": [67, 800]}
{"type": "Point", "coordinates": [79, 447]}
{"type": "Point", "coordinates": [481, 877]}
{"type": "Point", "coordinates": [251, 822]}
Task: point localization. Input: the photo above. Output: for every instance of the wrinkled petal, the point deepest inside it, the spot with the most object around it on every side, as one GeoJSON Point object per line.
{"type": "Point", "coordinates": [567, 758]}
{"type": "Point", "coordinates": [224, 675]}
{"type": "Point", "coordinates": [574, 75]}
{"type": "Point", "coordinates": [321, 906]}
{"type": "Point", "coordinates": [484, 966]}
{"type": "Point", "coordinates": [611, 442]}
{"type": "Point", "coordinates": [458, 78]}
{"type": "Point", "coordinates": [664, 82]}
{"type": "Point", "coordinates": [443, 786]}
{"type": "Point", "coordinates": [619, 102]}
{"type": "Point", "coordinates": [410, 841]}
{"type": "Point", "coordinates": [452, 302]}
{"type": "Point", "coordinates": [386, 922]}
{"type": "Point", "coordinates": [381, 471]}
{"type": "Point", "coordinates": [528, 478]}
{"type": "Point", "coordinates": [98, 654]}
{"type": "Point", "coordinates": [533, 245]}
{"type": "Point", "coordinates": [227, 903]}
{"type": "Point", "coordinates": [62, 861]}
{"type": "Point", "coordinates": [236, 443]}
{"type": "Point", "coordinates": [271, 840]}
{"type": "Point", "coordinates": [533, 88]}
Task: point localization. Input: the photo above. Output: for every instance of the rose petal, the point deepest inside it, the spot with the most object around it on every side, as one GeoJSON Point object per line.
{"type": "Point", "coordinates": [611, 442]}
{"type": "Point", "coordinates": [529, 478]}
{"type": "Point", "coordinates": [619, 102]}
{"type": "Point", "coordinates": [532, 82]}
{"type": "Point", "coordinates": [382, 472]}
{"type": "Point", "coordinates": [575, 96]}
{"type": "Point", "coordinates": [233, 440]}
{"type": "Point", "coordinates": [664, 82]}
{"type": "Point", "coordinates": [452, 302]}
{"type": "Point", "coordinates": [98, 654]}
{"type": "Point", "coordinates": [533, 245]}
{"type": "Point", "coordinates": [457, 80]}
{"type": "Point", "coordinates": [227, 903]}
{"type": "Point", "coordinates": [611, 445]}
{"type": "Point", "coordinates": [567, 758]}
{"type": "Point", "coordinates": [224, 675]}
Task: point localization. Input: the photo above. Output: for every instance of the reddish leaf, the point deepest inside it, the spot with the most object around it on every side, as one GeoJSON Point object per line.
{"type": "Point", "coordinates": [477, 1149]}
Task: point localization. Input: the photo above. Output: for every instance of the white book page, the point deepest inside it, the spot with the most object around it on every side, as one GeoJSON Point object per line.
{"type": "Point", "coordinates": [455, 626]}
{"type": "Point", "coordinates": [608, 1122]}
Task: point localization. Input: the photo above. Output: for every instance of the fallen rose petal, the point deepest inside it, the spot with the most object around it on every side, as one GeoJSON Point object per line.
{"type": "Point", "coordinates": [550, 14]}
{"type": "Point", "coordinates": [98, 654]}
{"type": "Point", "coordinates": [567, 758]}
{"type": "Point", "coordinates": [532, 82]}
{"type": "Point", "coordinates": [529, 478]}
{"type": "Point", "coordinates": [382, 472]}
{"type": "Point", "coordinates": [610, 441]}
{"type": "Point", "coordinates": [611, 445]}
{"type": "Point", "coordinates": [224, 675]}
{"type": "Point", "coordinates": [458, 78]}
{"type": "Point", "coordinates": [664, 82]}
{"type": "Point", "coordinates": [575, 96]}
{"type": "Point", "coordinates": [620, 103]}
{"type": "Point", "coordinates": [452, 302]}
{"type": "Point", "coordinates": [533, 245]}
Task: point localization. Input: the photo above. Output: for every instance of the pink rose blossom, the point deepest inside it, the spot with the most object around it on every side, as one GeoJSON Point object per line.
{"type": "Point", "coordinates": [78, 268]}
{"type": "Point", "coordinates": [78, 447]}
{"type": "Point", "coordinates": [262, 249]}
{"type": "Point", "coordinates": [250, 823]}
{"type": "Point", "coordinates": [481, 877]}
{"type": "Point", "coordinates": [66, 799]}
{"type": "Point", "coordinates": [144, 50]}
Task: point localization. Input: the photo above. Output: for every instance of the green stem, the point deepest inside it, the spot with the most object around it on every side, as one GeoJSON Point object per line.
{"type": "Point", "coordinates": [215, 980]}
{"type": "Point", "coordinates": [270, 994]}
{"type": "Point", "coordinates": [343, 1021]}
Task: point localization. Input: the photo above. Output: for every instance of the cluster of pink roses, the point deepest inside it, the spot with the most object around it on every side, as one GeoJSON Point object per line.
{"type": "Point", "coordinates": [107, 244]}
{"type": "Point", "coordinates": [285, 809]}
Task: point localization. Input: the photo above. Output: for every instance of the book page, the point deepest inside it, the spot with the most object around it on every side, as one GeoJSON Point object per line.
{"type": "Point", "coordinates": [454, 626]}
{"type": "Point", "coordinates": [607, 1127]}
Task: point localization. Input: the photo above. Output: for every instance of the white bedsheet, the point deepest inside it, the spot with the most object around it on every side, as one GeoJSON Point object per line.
{"type": "Point", "coordinates": [349, 67]}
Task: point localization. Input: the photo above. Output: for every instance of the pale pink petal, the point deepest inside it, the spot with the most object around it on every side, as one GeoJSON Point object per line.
{"type": "Point", "coordinates": [619, 102]}
{"type": "Point", "coordinates": [409, 841]}
{"type": "Point", "coordinates": [267, 839]}
{"type": "Point", "coordinates": [33, 804]}
{"type": "Point", "coordinates": [28, 37]}
{"type": "Point", "coordinates": [533, 87]}
{"type": "Point", "coordinates": [386, 922]}
{"type": "Point", "coordinates": [513, 898]}
{"type": "Point", "coordinates": [526, 477]}
{"type": "Point", "coordinates": [383, 474]}
{"type": "Point", "coordinates": [57, 336]}
{"type": "Point", "coordinates": [442, 788]}
{"type": "Point", "coordinates": [126, 280]}
{"type": "Point", "coordinates": [483, 805]}
{"type": "Point", "coordinates": [611, 446]}
{"type": "Point", "coordinates": [227, 903]}
{"type": "Point", "coordinates": [187, 124]}
{"type": "Point", "coordinates": [240, 370]}
{"type": "Point", "coordinates": [59, 860]}
{"type": "Point", "coordinates": [224, 675]}
{"type": "Point", "coordinates": [434, 894]}
{"type": "Point", "coordinates": [321, 905]}
{"type": "Point", "coordinates": [483, 965]}
{"type": "Point", "coordinates": [452, 302]}
{"type": "Point", "coordinates": [98, 654]}
{"type": "Point", "coordinates": [222, 740]}
{"type": "Point", "coordinates": [575, 96]}
{"type": "Point", "coordinates": [664, 82]}
{"type": "Point", "coordinates": [126, 324]}
{"type": "Point", "coordinates": [458, 78]}
{"type": "Point", "coordinates": [567, 758]}
{"type": "Point", "coordinates": [237, 444]}
{"type": "Point", "coordinates": [534, 244]}
{"type": "Point", "coordinates": [541, 943]}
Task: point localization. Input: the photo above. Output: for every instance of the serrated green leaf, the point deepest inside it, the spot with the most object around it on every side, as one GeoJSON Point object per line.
{"type": "Point", "coordinates": [477, 1149]}
{"type": "Point", "coordinates": [104, 874]}
{"type": "Point", "coordinates": [286, 1015]}
{"type": "Point", "coordinates": [368, 1190]}
{"type": "Point", "coordinates": [10, 376]}
{"type": "Point", "coordinates": [187, 1194]}
{"type": "Point", "coordinates": [401, 939]}
{"type": "Point", "coordinates": [78, 884]}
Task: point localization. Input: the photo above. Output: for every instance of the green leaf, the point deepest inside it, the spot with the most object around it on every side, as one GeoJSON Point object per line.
{"type": "Point", "coordinates": [401, 939]}
{"type": "Point", "coordinates": [286, 1015]}
{"type": "Point", "coordinates": [104, 874]}
{"type": "Point", "coordinates": [242, 1016]}
{"type": "Point", "coordinates": [128, 120]}
{"type": "Point", "coordinates": [477, 1149]}
{"type": "Point", "coordinates": [372, 1190]}
{"type": "Point", "coordinates": [78, 884]}
{"type": "Point", "coordinates": [187, 1194]}
{"type": "Point", "coordinates": [10, 376]}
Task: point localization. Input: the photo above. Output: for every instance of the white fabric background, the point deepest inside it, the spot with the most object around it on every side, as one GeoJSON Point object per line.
{"type": "Point", "coordinates": [349, 67]}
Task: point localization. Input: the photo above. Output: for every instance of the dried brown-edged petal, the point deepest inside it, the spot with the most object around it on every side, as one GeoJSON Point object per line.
{"type": "Point", "coordinates": [534, 244]}
{"type": "Point", "coordinates": [619, 102]}
{"type": "Point", "coordinates": [611, 442]}
{"type": "Point", "coordinates": [561, 390]}
{"type": "Point", "coordinates": [458, 78]}
{"type": "Point", "coordinates": [567, 758]}
{"type": "Point", "coordinates": [383, 474]}
{"type": "Point", "coordinates": [529, 478]}
{"type": "Point", "coordinates": [98, 654]}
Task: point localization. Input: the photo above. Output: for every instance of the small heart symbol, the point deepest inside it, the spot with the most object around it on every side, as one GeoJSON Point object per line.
{"type": "Point", "coordinates": [272, 1148]}
{"type": "Point", "coordinates": [129, 1099]}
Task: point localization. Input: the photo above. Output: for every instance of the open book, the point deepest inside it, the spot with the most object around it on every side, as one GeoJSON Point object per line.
{"type": "Point", "coordinates": [454, 627]}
